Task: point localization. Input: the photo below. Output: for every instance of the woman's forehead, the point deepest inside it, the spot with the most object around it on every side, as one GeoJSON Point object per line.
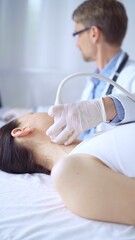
{"type": "Point", "coordinates": [41, 116]}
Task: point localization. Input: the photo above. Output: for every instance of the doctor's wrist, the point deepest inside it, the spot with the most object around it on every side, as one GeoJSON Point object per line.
{"type": "Point", "coordinates": [110, 108]}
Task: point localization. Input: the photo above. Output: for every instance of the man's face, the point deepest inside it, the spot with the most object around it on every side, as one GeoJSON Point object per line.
{"type": "Point", "coordinates": [84, 42]}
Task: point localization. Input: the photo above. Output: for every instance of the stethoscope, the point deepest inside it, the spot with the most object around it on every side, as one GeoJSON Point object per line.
{"type": "Point", "coordinates": [119, 69]}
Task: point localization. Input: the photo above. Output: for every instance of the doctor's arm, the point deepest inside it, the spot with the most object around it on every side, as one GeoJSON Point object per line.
{"type": "Point", "coordinates": [75, 118]}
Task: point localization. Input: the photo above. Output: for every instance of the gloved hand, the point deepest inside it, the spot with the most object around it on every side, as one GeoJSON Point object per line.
{"type": "Point", "coordinates": [75, 118]}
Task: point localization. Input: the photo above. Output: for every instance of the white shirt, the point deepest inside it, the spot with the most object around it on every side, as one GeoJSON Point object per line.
{"type": "Point", "coordinates": [114, 147]}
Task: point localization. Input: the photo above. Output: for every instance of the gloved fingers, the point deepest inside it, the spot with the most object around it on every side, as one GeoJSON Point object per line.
{"type": "Point", "coordinates": [55, 129]}
{"type": "Point", "coordinates": [71, 138]}
{"type": "Point", "coordinates": [55, 111]}
{"type": "Point", "coordinates": [63, 136]}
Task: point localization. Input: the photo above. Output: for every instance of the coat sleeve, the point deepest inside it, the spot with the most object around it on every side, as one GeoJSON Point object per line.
{"type": "Point", "coordinates": [128, 106]}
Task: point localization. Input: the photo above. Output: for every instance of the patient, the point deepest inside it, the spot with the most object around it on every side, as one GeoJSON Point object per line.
{"type": "Point", "coordinates": [90, 176]}
{"type": "Point", "coordinates": [25, 148]}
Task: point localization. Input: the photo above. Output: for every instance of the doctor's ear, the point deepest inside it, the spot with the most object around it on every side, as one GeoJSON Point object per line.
{"type": "Point", "coordinates": [22, 132]}
{"type": "Point", "coordinates": [95, 33]}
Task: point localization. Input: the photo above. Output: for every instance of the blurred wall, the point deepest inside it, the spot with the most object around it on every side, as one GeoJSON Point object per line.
{"type": "Point", "coordinates": [37, 50]}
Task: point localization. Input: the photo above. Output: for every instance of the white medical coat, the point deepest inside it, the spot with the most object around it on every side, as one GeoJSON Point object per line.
{"type": "Point", "coordinates": [129, 107]}
{"type": "Point", "coordinates": [126, 79]}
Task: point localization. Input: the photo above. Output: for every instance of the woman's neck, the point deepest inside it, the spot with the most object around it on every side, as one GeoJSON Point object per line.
{"type": "Point", "coordinates": [52, 153]}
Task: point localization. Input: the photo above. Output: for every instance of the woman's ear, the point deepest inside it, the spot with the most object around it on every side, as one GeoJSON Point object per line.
{"type": "Point", "coordinates": [22, 132]}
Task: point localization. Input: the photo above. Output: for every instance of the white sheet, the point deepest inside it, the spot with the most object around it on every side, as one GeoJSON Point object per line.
{"type": "Point", "coordinates": [31, 209]}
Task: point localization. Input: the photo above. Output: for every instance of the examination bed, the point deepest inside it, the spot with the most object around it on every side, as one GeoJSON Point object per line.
{"type": "Point", "coordinates": [31, 209]}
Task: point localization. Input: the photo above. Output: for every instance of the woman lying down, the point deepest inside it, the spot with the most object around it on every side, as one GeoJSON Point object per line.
{"type": "Point", "coordinates": [94, 178]}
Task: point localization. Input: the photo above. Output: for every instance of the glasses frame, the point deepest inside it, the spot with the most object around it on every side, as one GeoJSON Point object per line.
{"type": "Point", "coordinates": [81, 31]}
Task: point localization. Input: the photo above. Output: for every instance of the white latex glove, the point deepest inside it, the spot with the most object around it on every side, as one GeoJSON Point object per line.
{"type": "Point", "coordinates": [75, 118]}
{"type": "Point", "coordinates": [13, 113]}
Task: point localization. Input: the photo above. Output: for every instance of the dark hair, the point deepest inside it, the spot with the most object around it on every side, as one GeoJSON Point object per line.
{"type": "Point", "coordinates": [14, 157]}
{"type": "Point", "coordinates": [109, 15]}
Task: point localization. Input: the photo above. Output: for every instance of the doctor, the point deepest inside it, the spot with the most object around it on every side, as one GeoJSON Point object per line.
{"type": "Point", "coordinates": [100, 27]}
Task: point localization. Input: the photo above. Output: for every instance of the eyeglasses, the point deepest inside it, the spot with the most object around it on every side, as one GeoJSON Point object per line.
{"type": "Point", "coordinates": [81, 31]}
